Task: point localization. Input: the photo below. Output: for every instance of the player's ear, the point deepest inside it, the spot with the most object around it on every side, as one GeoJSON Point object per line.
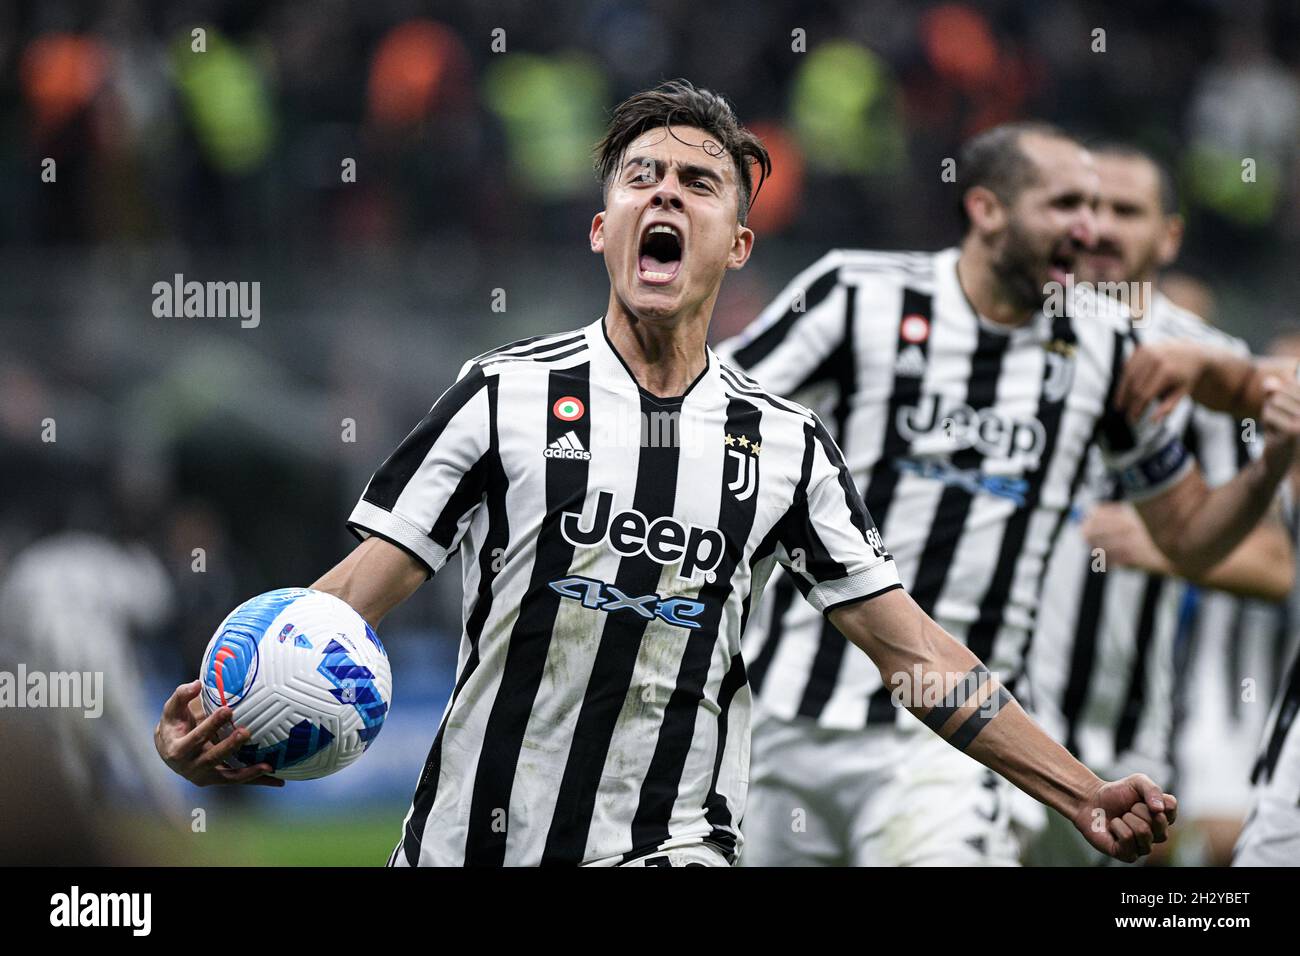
{"type": "Point", "coordinates": [985, 210]}
{"type": "Point", "coordinates": [1171, 240]}
{"type": "Point", "coordinates": [742, 244]}
{"type": "Point", "coordinates": [598, 232]}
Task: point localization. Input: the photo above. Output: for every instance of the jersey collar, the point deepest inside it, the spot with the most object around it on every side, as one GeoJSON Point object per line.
{"type": "Point", "coordinates": [611, 367]}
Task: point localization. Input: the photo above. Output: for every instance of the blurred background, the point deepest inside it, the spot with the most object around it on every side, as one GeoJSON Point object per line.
{"type": "Point", "coordinates": [174, 467]}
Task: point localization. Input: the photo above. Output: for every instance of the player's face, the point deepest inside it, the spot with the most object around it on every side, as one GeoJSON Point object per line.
{"type": "Point", "coordinates": [669, 230]}
{"type": "Point", "coordinates": [1051, 221]}
{"type": "Point", "coordinates": [1134, 236]}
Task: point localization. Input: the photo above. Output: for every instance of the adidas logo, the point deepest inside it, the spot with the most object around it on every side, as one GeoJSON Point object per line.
{"type": "Point", "coordinates": [911, 363]}
{"type": "Point", "coordinates": [567, 446]}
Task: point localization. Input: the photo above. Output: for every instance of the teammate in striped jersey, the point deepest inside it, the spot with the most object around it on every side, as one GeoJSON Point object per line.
{"type": "Point", "coordinates": [1271, 834]}
{"type": "Point", "coordinates": [1102, 659]}
{"type": "Point", "coordinates": [601, 709]}
{"type": "Point", "coordinates": [965, 387]}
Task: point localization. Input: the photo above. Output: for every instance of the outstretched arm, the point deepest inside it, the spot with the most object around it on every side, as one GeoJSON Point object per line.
{"type": "Point", "coordinates": [419, 497]}
{"type": "Point", "coordinates": [844, 570]}
{"type": "Point", "coordinates": [976, 715]}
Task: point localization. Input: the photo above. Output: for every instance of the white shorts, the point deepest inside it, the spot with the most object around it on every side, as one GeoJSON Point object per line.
{"type": "Point", "coordinates": [881, 796]}
{"type": "Point", "coordinates": [1271, 836]}
{"type": "Point", "coordinates": [1217, 784]}
{"type": "Point", "coordinates": [699, 855]}
{"type": "Point", "coordinates": [1218, 739]}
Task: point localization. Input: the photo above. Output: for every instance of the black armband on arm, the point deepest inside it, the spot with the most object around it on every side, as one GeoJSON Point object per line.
{"type": "Point", "coordinates": [970, 685]}
{"type": "Point", "coordinates": [976, 722]}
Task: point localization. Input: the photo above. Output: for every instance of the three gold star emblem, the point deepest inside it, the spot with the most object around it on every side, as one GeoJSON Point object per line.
{"type": "Point", "coordinates": [743, 441]}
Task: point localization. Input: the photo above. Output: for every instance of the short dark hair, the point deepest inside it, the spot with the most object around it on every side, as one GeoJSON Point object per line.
{"type": "Point", "coordinates": [679, 103]}
{"type": "Point", "coordinates": [1167, 185]}
{"type": "Point", "coordinates": [993, 159]}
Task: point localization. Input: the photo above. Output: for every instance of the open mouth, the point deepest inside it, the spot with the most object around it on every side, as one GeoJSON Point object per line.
{"type": "Point", "coordinates": [660, 255]}
{"type": "Point", "coordinates": [1061, 265]}
{"type": "Point", "coordinates": [1104, 255]}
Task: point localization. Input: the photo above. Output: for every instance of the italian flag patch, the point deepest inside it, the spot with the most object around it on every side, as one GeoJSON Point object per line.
{"type": "Point", "coordinates": [568, 409]}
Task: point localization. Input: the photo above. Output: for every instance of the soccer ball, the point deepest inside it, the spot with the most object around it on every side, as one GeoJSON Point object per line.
{"type": "Point", "coordinates": [305, 674]}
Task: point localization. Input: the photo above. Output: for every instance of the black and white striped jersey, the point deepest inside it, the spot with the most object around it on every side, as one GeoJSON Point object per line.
{"type": "Point", "coordinates": [1276, 774]}
{"type": "Point", "coordinates": [1228, 672]}
{"type": "Point", "coordinates": [967, 440]}
{"type": "Point", "coordinates": [1102, 663]}
{"type": "Point", "coordinates": [612, 545]}
{"type": "Point", "coordinates": [1271, 833]}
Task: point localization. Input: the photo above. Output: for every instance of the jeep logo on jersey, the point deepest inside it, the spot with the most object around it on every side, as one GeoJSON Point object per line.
{"type": "Point", "coordinates": [664, 540]}
{"type": "Point", "coordinates": [957, 425]}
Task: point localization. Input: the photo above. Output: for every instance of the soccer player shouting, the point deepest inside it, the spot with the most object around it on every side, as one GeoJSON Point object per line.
{"type": "Point", "coordinates": [965, 387]}
{"type": "Point", "coordinates": [601, 710]}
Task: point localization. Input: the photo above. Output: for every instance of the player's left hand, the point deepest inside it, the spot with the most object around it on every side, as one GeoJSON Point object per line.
{"type": "Point", "coordinates": [1125, 818]}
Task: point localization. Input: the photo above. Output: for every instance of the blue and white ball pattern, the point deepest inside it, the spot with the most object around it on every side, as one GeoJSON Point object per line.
{"type": "Point", "coordinates": [305, 674]}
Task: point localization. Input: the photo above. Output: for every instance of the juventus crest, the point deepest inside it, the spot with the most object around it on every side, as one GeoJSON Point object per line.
{"type": "Point", "coordinates": [745, 457]}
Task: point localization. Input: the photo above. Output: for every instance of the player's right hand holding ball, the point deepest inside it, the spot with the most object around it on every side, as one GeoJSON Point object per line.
{"type": "Point", "coordinates": [189, 743]}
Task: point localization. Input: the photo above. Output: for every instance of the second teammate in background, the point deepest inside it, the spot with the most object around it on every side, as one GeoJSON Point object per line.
{"type": "Point", "coordinates": [1102, 662]}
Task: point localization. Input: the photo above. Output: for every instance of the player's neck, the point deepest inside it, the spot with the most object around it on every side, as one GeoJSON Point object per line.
{"type": "Point", "coordinates": [666, 356]}
{"type": "Point", "coordinates": [985, 293]}
{"type": "Point", "coordinates": [1139, 303]}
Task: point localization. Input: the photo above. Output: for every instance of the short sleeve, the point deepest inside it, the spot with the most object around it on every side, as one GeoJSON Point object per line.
{"type": "Point", "coordinates": [424, 495]}
{"type": "Point", "coordinates": [828, 542]}
{"type": "Point", "coordinates": [1147, 458]}
{"type": "Point", "coordinates": [787, 346]}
